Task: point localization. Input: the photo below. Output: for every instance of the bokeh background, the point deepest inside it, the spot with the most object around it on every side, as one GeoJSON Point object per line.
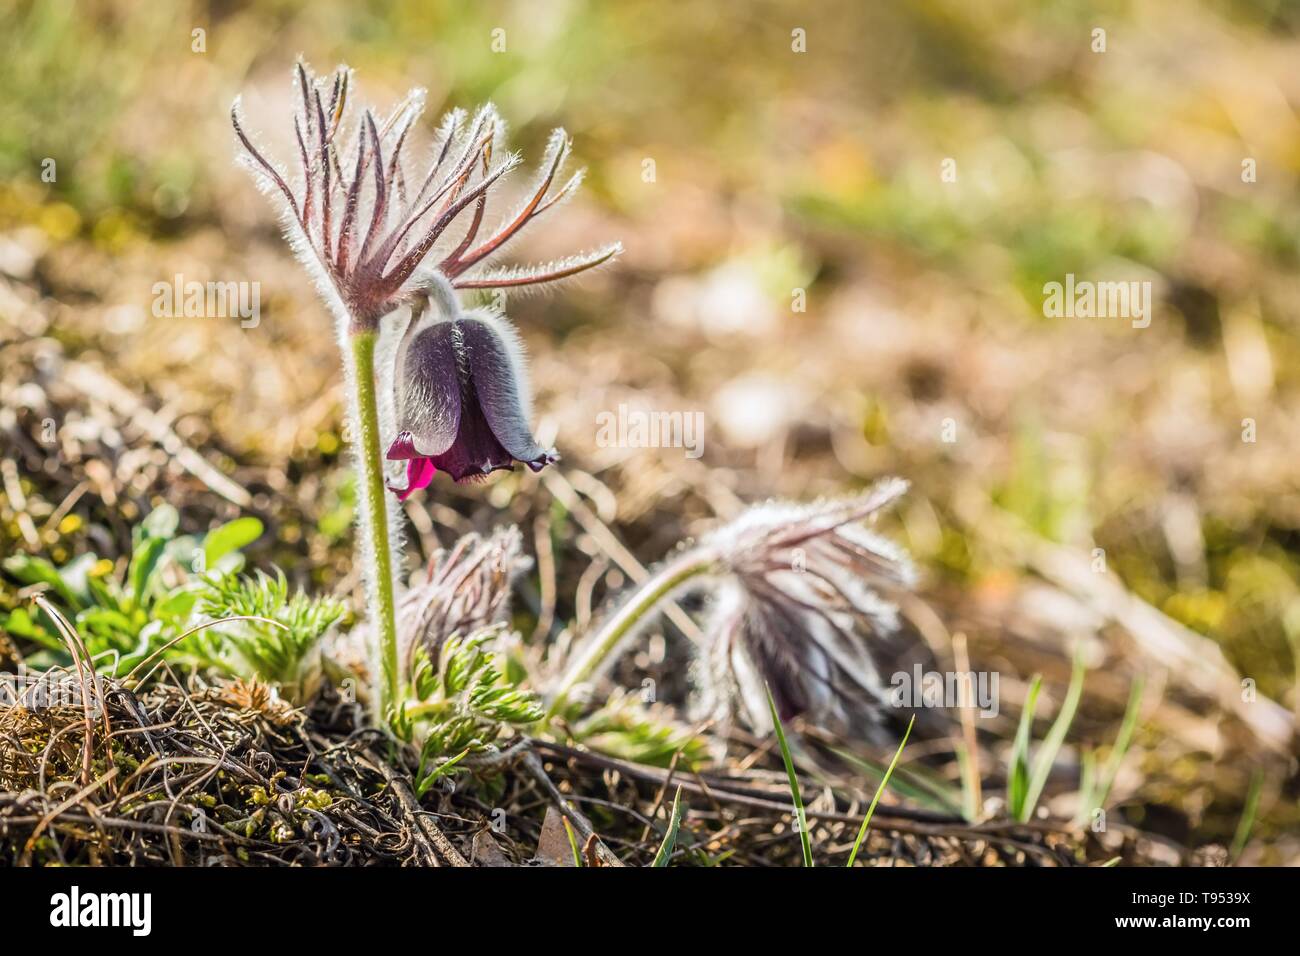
{"type": "Point", "coordinates": [774, 171]}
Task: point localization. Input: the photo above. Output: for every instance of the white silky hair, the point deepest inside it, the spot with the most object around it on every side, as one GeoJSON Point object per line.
{"type": "Point", "coordinates": [444, 306]}
{"type": "Point", "coordinates": [838, 611]}
{"type": "Point", "coordinates": [515, 353]}
{"type": "Point", "coordinates": [388, 351]}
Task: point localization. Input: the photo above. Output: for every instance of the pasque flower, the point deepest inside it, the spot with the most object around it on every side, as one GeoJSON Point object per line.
{"type": "Point", "coordinates": [797, 609]}
{"type": "Point", "coordinates": [378, 239]}
{"type": "Point", "coordinates": [800, 613]}
{"type": "Point", "coordinates": [461, 396]}
{"type": "Point", "coordinates": [370, 233]}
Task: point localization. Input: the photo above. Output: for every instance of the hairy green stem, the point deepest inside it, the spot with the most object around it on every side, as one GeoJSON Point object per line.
{"type": "Point", "coordinates": [379, 560]}
{"type": "Point", "coordinates": [598, 649]}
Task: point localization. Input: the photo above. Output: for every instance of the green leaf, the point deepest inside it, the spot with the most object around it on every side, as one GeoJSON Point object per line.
{"type": "Point", "coordinates": [31, 570]}
{"type": "Point", "coordinates": [800, 816]}
{"type": "Point", "coordinates": [465, 702]}
{"type": "Point", "coordinates": [437, 773]}
{"type": "Point", "coordinates": [107, 624]}
{"type": "Point", "coordinates": [144, 562]}
{"type": "Point", "coordinates": [21, 624]}
{"type": "Point", "coordinates": [670, 838]}
{"type": "Point", "coordinates": [231, 536]}
{"type": "Point", "coordinates": [76, 575]}
{"type": "Point", "coordinates": [279, 652]}
{"type": "Point", "coordinates": [105, 592]}
{"type": "Point", "coordinates": [1055, 737]}
{"type": "Point", "coordinates": [626, 728]}
{"type": "Point", "coordinates": [176, 605]}
{"type": "Point", "coordinates": [1018, 774]}
{"type": "Point", "coordinates": [862, 831]}
{"type": "Point", "coordinates": [1122, 741]}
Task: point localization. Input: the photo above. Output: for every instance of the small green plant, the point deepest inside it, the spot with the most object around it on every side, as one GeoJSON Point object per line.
{"type": "Point", "coordinates": [463, 704]}
{"type": "Point", "coordinates": [123, 619]}
{"type": "Point", "coordinates": [174, 584]}
{"type": "Point", "coordinates": [1055, 738]}
{"type": "Point", "coordinates": [1018, 772]}
{"type": "Point", "coordinates": [573, 842]}
{"type": "Point", "coordinates": [623, 727]}
{"type": "Point", "coordinates": [286, 655]}
{"type": "Point", "coordinates": [1025, 784]}
{"type": "Point", "coordinates": [426, 776]}
{"type": "Point", "coordinates": [1095, 786]}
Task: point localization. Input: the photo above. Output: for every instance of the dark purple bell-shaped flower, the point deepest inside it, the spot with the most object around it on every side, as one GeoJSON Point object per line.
{"type": "Point", "coordinates": [461, 398]}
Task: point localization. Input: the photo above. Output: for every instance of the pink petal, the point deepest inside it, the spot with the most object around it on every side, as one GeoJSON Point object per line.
{"type": "Point", "coordinates": [419, 472]}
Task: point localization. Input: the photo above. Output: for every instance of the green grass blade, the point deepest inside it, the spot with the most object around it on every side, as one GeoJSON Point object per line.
{"type": "Point", "coordinates": [1055, 737]}
{"type": "Point", "coordinates": [573, 841]}
{"type": "Point", "coordinates": [1247, 820]}
{"type": "Point", "coordinates": [800, 817]}
{"type": "Point", "coordinates": [1122, 741]}
{"type": "Point", "coordinates": [424, 783]}
{"type": "Point", "coordinates": [1018, 772]}
{"type": "Point", "coordinates": [862, 830]}
{"type": "Point", "coordinates": [670, 838]}
{"type": "Point", "coordinates": [919, 786]}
